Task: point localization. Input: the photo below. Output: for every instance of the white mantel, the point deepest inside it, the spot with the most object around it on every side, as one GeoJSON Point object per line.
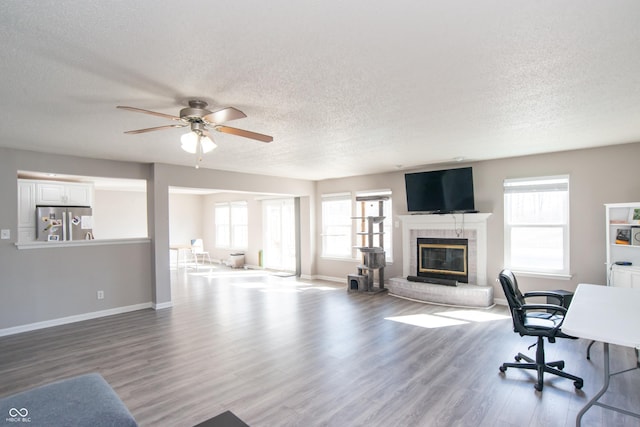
{"type": "Point", "coordinates": [469, 226]}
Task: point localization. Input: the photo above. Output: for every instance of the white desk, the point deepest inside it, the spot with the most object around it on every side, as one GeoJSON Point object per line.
{"type": "Point", "coordinates": [607, 314]}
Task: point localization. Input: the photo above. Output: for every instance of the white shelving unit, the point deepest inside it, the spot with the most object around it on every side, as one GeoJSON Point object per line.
{"type": "Point", "coordinates": [620, 216]}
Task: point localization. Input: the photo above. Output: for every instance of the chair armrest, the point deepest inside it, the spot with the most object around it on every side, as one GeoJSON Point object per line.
{"type": "Point", "coordinates": [539, 307]}
{"type": "Point", "coordinates": [552, 294]}
{"type": "Point", "coordinates": [554, 309]}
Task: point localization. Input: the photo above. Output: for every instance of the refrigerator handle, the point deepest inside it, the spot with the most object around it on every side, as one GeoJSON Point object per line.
{"type": "Point", "coordinates": [66, 222]}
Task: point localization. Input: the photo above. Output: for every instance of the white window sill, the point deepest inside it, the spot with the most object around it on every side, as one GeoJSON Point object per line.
{"type": "Point", "coordinates": [354, 260]}
{"type": "Point", "coordinates": [336, 258]}
{"type": "Point", "coordinates": [554, 276]}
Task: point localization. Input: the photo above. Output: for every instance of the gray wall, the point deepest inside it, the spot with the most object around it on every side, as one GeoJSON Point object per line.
{"type": "Point", "coordinates": [597, 176]}
{"type": "Point", "coordinates": [41, 285]}
{"type": "Point", "coordinates": [119, 214]}
{"type": "Point", "coordinates": [185, 218]}
{"type": "Point", "coordinates": [38, 285]}
{"type": "Point", "coordinates": [45, 284]}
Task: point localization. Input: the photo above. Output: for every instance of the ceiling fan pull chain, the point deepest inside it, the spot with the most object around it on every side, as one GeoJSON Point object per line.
{"type": "Point", "coordinates": [198, 151]}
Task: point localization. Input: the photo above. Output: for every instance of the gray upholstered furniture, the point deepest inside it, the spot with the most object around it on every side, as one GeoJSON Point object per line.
{"type": "Point", "coordinates": [86, 400]}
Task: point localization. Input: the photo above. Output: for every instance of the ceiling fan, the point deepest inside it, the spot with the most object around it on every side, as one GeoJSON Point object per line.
{"type": "Point", "coordinates": [200, 120]}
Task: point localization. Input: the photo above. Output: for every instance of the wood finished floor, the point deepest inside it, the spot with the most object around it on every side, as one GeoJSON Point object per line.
{"type": "Point", "coordinates": [284, 352]}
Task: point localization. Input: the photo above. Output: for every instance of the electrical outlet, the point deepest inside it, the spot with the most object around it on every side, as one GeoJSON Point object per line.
{"type": "Point", "coordinates": [5, 234]}
{"type": "Point", "coordinates": [100, 295]}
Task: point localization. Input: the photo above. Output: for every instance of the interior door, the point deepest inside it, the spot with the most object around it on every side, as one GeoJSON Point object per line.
{"type": "Point", "coordinates": [279, 252]}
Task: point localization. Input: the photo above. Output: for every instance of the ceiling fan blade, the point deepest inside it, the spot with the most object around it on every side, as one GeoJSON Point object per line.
{"type": "Point", "coordinates": [224, 115]}
{"type": "Point", "coordinates": [153, 113]}
{"type": "Point", "coordinates": [155, 128]}
{"type": "Point", "coordinates": [244, 133]}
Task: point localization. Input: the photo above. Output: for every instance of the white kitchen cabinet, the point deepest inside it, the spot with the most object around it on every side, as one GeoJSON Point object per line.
{"type": "Point", "coordinates": [79, 194]}
{"type": "Point", "coordinates": [26, 203]}
{"type": "Point", "coordinates": [50, 193]}
{"type": "Point", "coordinates": [64, 194]}
{"type": "Point", "coordinates": [625, 277]}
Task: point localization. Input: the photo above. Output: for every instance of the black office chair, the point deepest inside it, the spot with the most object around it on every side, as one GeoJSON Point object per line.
{"type": "Point", "coordinates": [539, 320]}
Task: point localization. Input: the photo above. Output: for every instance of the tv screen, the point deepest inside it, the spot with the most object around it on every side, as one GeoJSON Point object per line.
{"type": "Point", "coordinates": [442, 191]}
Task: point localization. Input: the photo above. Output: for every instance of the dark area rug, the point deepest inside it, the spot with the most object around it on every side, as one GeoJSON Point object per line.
{"type": "Point", "coordinates": [225, 419]}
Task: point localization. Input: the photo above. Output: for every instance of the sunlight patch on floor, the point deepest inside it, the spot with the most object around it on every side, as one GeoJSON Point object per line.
{"type": "Point", "coordinates": [448, 318]}
{"type": "Point", "coordinates": [282, 286]}
{"type": "Point", "coordinates": [281, 290]}
{"type": "Point", "coordinates": [322, 288]}
{"type": "Point", "coordinates": [210, 272]}
{"type": "Point", "coordinates": [251, 285]}
{"type": "Point", "coordinates": [426, 320]}
{"type": "Point", "coordinates": [473, 315]}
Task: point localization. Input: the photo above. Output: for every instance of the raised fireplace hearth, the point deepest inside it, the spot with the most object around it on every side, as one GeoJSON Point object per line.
{"type": "Point", "coordinates": [457, 245]}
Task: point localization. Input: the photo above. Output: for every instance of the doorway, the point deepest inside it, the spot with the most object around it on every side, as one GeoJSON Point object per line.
{"type": "Point", "coordinates": [279, 228]}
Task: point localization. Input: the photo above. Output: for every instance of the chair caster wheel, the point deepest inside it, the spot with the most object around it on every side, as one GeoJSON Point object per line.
{"type": "Point", "coordinates": [538, 387]}
{"type": "Point", "coordinates": [561, 366]}
{"type": "Point", "coordinates": [518, 358]}
{"type": "Point", "coordinates": [502, 368]}
{"type": "Point", "coordinates": [578, 384]}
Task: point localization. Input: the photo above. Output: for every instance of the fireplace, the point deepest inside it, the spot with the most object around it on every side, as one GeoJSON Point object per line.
{"type": "Point", "coordinates": [446, 259]}
{"type": "Point", "coordinates": [476, 291]}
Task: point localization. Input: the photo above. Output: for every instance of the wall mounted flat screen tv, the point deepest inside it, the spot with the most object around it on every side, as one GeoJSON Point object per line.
{"type": "Point", "coordinates": [441, 191]}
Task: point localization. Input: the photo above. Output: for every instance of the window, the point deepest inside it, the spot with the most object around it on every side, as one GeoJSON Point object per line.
{"type": "Point", "coordinates": [239, 225]}
{"type": "Point", "coordinates": [232, 225]}
{"type": "Point", "coordinates": [365, 208]}
{"type": "Point", "coordinates": [336, 226]}
{"type": "Point", "coordinates": [536, 225]}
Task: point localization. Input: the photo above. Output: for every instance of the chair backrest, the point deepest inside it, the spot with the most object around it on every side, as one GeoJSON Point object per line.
{"type": "Point", "coordinates": [197, 245]}
{"type": "Point", "coordinates": [514, 297]}
{"type": "Point", "coordinates": [510, 287]}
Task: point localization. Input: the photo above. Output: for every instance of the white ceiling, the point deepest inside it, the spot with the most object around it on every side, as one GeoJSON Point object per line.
{"type": "Point", "coordinates": [345, 87]}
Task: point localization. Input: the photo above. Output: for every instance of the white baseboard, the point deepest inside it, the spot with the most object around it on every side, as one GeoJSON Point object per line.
{"type": "Point", "coordinates": [72, 319]}
{"type": "Point", "coordinates": [500, 301]}
{"type": "Point", "coordinates": [162, 305]}
{"type": "Point", "coordinates": [329, 279]}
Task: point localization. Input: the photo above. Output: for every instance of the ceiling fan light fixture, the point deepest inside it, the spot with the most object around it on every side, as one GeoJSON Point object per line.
{"type": "Point", "coordinates": [207, 144]}
{"type": "Point", "coordinates": [200, 120]}
{"type": "Point", "coordinates": [189, 142]}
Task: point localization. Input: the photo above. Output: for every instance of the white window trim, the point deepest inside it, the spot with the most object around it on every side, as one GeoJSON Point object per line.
{"type": "Point", "coordinates": [230, 224]}
{"type": "Point", "coordinates": [336, 197]}
{"type": "Point", "coordinates": [556, 182]}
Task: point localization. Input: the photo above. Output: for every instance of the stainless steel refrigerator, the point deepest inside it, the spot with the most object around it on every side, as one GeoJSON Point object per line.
{"type": "Point", "coordinates": [60, 223]}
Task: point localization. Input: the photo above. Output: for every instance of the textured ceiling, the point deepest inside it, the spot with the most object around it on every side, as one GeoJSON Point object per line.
{"type": "Point", "coordinates": [345, 88]}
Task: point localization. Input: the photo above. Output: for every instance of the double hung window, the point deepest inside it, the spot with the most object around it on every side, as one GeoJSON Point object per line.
{"type": "Point", "coordinates": [231, 225]}
{"type": "Point", "coordinates": [337, 226]}
{"type": "Point", "coordinates": [536, 225]}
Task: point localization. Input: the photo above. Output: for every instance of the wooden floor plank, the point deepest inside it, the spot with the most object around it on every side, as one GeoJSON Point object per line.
{"type": "Point", "coordinates": [287, 352]}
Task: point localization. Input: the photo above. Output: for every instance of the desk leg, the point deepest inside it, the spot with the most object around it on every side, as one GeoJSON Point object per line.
{"type": "Point", "coordinates": [604, 387]}
{"type": "Point", "coordinates": [607, 377]}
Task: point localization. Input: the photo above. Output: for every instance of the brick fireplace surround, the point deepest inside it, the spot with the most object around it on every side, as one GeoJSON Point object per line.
{"type": "Point", "coordinates": [477, 293]}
